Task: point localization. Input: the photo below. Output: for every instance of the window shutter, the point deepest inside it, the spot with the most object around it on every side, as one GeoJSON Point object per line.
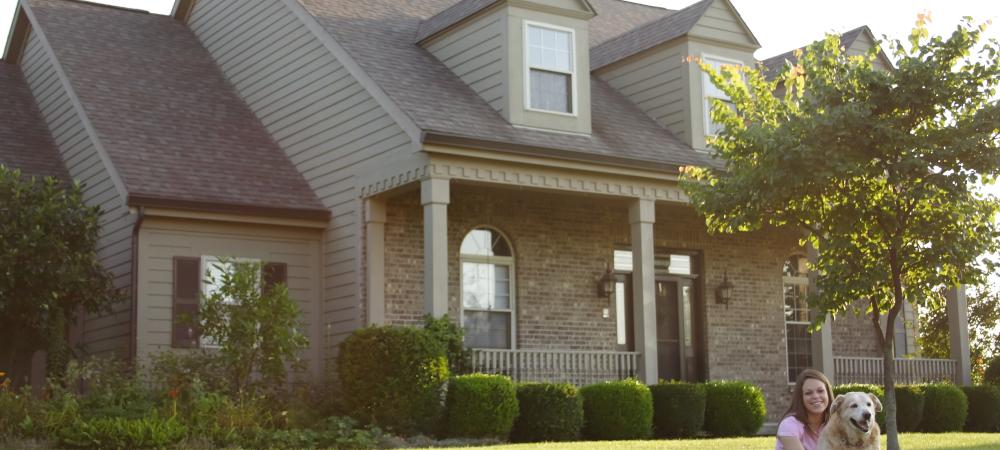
{"type": "Point", "coordinates": [274, 273]}
{"type": "Point", "coordinates": [185, 331]}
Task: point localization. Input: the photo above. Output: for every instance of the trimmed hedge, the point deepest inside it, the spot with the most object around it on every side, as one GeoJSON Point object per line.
{"type": "Point", "coordinates": [984, 408]}
{"type": "Point", "coordinates": [909, 407]}
{"type": "Point", "coordinates": [678, 409]}
{"type": "Point", "coordinates": [869, 389]}
{"type": "Point", "coordinates": [733, 408]}
{"type": "Point", "coordinates": [393, 377]}
{"type": "Point", "coordinates": [480, 406]}
{"type": "Point", "coordinates": [617, 410]}
{"type": "Point", "coordinates": [945, 408]}
{"type": "Point", "coordinates": [549, 412]}
{"type": "Point", "coordinates": [992, 373]}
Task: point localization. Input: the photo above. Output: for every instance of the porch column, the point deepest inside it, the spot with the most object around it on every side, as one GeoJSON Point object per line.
{"type": "Point", "coordinates": [958, 330]}
{"type": "Point", "coordinates": [822, 340]}
{"type": "Point", "coordinates": [641, 217]}
{"type": "Point", "coordinates": [375, 259]}
{"type": "Point", "coordinates": [435, 196]}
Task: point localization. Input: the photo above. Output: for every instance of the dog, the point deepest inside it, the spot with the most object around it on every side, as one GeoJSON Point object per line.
{"type": "Point", "coordinates": [852, 423]}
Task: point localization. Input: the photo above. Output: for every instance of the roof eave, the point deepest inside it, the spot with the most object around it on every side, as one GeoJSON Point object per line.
{"type": "Point", "coordinates": [154, 201]}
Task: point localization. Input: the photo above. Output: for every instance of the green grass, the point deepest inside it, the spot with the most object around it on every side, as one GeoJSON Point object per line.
{"type": "Point", "coordinates": [909, 441]}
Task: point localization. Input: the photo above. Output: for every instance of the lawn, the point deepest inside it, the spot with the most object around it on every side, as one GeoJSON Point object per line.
{"type": "Point", "coordinates": [908, 441]}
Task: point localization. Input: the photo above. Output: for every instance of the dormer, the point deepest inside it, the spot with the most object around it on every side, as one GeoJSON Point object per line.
{"type": "Point", "coordinates": [650, 65]}
{"type": "Point", "coordinates": [529, 59]}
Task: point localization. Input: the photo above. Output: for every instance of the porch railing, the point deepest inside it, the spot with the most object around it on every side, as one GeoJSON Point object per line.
{"type": "Point", "coordinates": [908, 370]}
{"type": "Point", "coordinates": [570, 366]}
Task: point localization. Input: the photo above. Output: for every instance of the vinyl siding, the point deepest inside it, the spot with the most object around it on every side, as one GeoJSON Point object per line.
{"type": "Point", "coordinates": [861, 46]}
{"type": "Point", "coordinates": [323, 119]}
{"type": "Point", "coordinates": [475, 52]}
{"type": "Point", "coordinates": [721, 23]}
{"type": "Point", "coordinates": [160, 240]}
{"type": "Point", "coordinates": [101, 334]}
{"type": "Point", "coordinates": [657, 84]}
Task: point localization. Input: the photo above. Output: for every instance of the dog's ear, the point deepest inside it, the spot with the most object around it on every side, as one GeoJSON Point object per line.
{"type": "Point", "coordinates": [875, 400]}
{"type": "Point", "coordinates": [836, 404]}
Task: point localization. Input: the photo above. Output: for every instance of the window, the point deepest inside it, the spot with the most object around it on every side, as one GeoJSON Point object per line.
{"type": "Point", "coordinates": [714, 93]}
{"type": "Point", "coordinates": [550, 68]}
{"type": "Point", "coordinates": [487, 289]}
{"type": "Point", "coordinates": [214, 271]}
{"type": "Point", "coordinates": [796, 285]}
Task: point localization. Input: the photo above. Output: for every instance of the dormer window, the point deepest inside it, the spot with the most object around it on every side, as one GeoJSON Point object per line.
{"type": "Point", "coordinates": [550, 66]}
{"type": "Point", "coordinates": [714, 93]}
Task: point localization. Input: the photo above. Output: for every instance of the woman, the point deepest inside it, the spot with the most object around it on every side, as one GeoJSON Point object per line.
{"type": "Point", "coordinates": [811, 399]}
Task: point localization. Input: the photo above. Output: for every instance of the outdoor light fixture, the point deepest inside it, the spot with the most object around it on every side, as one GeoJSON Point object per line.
{"type": "Point", "coordinates": [724, 293]}
{"type": "Point", "coordinates": [606, 285]}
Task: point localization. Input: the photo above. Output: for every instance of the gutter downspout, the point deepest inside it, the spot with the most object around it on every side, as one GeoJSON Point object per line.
{"type": "Point", "coordinates": [133, 323]}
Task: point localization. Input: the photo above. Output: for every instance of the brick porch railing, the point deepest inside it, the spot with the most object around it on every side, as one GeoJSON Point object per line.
{"type": "Point", "coordinates": [571, 366]}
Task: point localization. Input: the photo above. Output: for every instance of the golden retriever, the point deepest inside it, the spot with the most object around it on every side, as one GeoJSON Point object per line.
{"type": "Point", "coordinates": [852, 423]}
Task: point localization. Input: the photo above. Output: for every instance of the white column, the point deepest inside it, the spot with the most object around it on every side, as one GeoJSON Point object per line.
{"type": "Point", "coordinates": [375, 259]}
{"type": "Point", "coordinates": [641, 217]}
{"type": "Point", "coordinates": [822, 340]}
{"type": "Point", "coordinates": [435, 196]}
{"type": "Point", "coordinates": [958, 330]}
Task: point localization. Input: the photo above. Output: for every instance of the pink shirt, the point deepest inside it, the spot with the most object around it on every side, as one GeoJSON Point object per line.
{"type": "Point", "coordinates": [791, 427]}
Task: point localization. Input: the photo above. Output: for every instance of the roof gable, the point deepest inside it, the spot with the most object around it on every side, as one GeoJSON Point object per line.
{"type": "Point", "coordinates": [648, 36]}
{"type": "Point", "coordinates": [721, 22]}
{"type": "Point", "coordinates": [857, 41]}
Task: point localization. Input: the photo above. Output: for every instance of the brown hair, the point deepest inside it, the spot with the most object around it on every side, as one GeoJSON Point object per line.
{"type": "Point", "coordinates": [798, 407]}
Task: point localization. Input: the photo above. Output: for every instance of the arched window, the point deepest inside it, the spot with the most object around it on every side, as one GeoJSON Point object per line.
{"type": "Point", "coordinates": [487, 289]}
{"type": "Point", "coordinates": [795, 281]}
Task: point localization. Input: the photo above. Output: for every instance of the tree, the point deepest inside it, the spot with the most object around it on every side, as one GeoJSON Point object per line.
{"type": "Point", "coordinates": [256, 327]}
{"type": "Point", "coordinates": [877, 167]}
{"type": "Point", "coordinates": [984, 316]}
{"type": "Point", "coordinates": [48, 267]}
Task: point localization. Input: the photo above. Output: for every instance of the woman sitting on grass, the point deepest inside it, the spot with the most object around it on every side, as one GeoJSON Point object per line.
{"type": "Point", "coordinates": [811, 399]}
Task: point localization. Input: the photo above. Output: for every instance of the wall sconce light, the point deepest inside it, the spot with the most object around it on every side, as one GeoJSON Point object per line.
{"type": "Point", "coordinates": [606, 285]}
{"type": "Point", "coordinates": [724, 293]}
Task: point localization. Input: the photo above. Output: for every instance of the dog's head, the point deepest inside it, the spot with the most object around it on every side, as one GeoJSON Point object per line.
{"type": "Point", "coordinates": [857, 409]}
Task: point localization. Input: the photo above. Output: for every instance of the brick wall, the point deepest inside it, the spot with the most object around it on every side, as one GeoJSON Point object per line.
{"type": "Point", "coordinates": [853, 335]}
{"type": "Point", "coordinates": [561, 244]}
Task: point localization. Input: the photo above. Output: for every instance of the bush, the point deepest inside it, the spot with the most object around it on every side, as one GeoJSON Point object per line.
{"type": "Point", "coordinates": [617, 410]}
{"type": "Point", "coordinates": [342, 433]}
{"type": "Point", "coordinates": [909, 407]}
{"type": "Point", "coordinates": [869, 389]}
{"type": "Point", "coordinates": [678, 409]}
{"type": "Point", "coordinates": [992, 373]}
{"type": "Point", "coordinates": [984, 408]}
{"type": "Point", "coordinates": [480, 406]}
{"type": "Point", "coordinates": [452, 338]}
{"type": "Point", "coordinates": [733, 408]}
{"type": "Point", "coordinates": [548, 412]}
{"type": "Point", "coordinates": [392, 377]}
{"type": "Point", "coordinates": [945, 408]}
{"type": "Point", "coordinates": [124, 434]}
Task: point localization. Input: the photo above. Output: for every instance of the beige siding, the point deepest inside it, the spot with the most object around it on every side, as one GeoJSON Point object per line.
{"type": "Point", "coordinates": [861, 46]}
{"type": "Point", "coordinates": [657, 83]}
{"type": "Point", "coordinates": [475, 53]}
{"type": "Point", "coordinates": [107, 333]}
{"type": "Point", "coordinates": [319, 114]}
{"type": "Point", "coordinates": [720, 23]}
{"type": "Point", "coordinates": [160, 240]}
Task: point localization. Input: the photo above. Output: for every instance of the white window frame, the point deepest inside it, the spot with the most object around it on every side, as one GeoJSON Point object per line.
{"type": "Point", "coordinates": [797, 281]}
{"type": "Point", "coordinates": [706, 83]}
{"type": "Point", "coordinates": [206, 341]}
{"type": "Point", "coordinates": [507, 261]}
{"type": "Point", "coordinates": [572, 66]}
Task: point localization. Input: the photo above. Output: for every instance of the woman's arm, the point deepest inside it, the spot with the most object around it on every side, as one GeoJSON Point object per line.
{"type": "Point", "coordinates": [790, 443]}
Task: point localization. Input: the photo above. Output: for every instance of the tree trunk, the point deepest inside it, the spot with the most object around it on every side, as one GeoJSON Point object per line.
{"type": "Point", "coordinates": [889, 382]}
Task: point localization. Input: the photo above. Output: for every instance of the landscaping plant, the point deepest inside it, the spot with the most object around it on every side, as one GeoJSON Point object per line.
{"type": "Point", "coordinates": [615, 410]}
{"type": "Point", "coordinates": [480, 406]}
{"type": "Point", "coordinates": [945, 408]}
{"type": "Point", "coordinates": [911, 407]}
{"type": "Point", "coordinates": [984, 408]}
{"type": "Point", "coordinates": [678, 409]}
{"type": "Point", "coordinates": [733, 408]}
{"type": "Point", "coordinates": [548, 412]}
{"type": "Point", "coordinates": [452, 338]}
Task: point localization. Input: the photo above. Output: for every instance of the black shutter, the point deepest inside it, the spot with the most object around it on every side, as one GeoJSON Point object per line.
{"type": "Point", "coordinates": [185, 332]}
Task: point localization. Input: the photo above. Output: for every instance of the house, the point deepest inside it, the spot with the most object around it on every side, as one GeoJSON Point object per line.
{"type": "Point", "coordinates": [510, 163]}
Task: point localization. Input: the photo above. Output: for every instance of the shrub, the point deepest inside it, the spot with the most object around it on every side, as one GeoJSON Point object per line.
{"type": "Point", "coordinates": [480, 406]}
{"type": "Point", "coordinates": [392, 377]}
{"type": "Point", "coordinates": [678, 409]}
{"type": "Point", "coordinates": [223, 421]}
{"type": "Point", "coordinates": [180, 371]}
{"type": "Point", "coordinates": [909, 407]}
{"type": "Point", "coordinates": [452, 338]}
{"type": "Point", "coordinates": [984, 408]}
{"type": "Point", "coordinates": [617, 410]}
{"type": "Point", "coordinates": [124, 434]}
{"type": "Point", "coordinates": [869, 389]}
{"type": "Point", "coordinates": [992, 373]}
{"type": "Point", "coordinates": [548, 412]}
{"type": "Point", "coordinates": [342, 433]}
{"type": "Point", "coordinates": [945, 408]}
{"type": "Point", "coordinates": [733, 408]}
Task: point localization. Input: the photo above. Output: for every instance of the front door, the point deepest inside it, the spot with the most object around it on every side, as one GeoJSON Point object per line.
{"type": "Point", "coordinates": [675, 329]}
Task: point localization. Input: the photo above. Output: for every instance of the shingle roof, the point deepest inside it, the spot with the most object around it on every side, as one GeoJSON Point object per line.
{"type": "Point", "coordinates": [25, 141]}
{"type": "Point", "coordinates": [616, 17]}
{"type": "Point", "coordinates": [174, 129]}
{"type": "Point", "coordinates": [379, 36]}
{"type": "Point", "coordinates": [650, 35]}
{"type": "Point", "coordinates": [774, 64]}
{"type": "Point", "coordinates": [450, 16]}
